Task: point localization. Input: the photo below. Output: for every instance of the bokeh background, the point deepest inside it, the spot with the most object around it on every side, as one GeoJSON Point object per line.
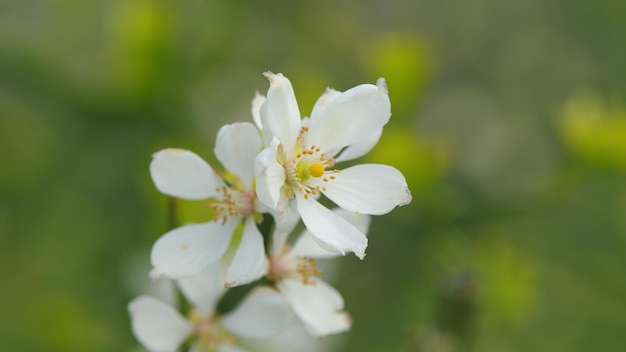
{"type": "Point", "coordinates": [509, 122]}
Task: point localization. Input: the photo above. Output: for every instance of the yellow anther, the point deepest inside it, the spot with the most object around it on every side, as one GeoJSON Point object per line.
{"type": "Point", "coordinates": [316, 170]}
{"type": "Point", "coordinates": [306, 268]}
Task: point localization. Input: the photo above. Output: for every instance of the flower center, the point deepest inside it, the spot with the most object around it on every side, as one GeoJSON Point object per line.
{"type": "Point", "coordinates": [308, 167]}
{"type": "Point", "coordinates": [232, 203]}
{"type": "Point", "coordinates": [317, 170]}
{"type": "Point", "coordinates": [211, 336]}
{"type": "Point", "coordinates": [301, 267]}
{"type": "Point", "coordinates": [306, 268]}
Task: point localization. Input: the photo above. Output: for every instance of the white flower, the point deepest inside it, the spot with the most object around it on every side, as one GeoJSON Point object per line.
{"type": "Point", "coordinates": [180, 173]}
{"type": "Point", "coordinates": [299, 159]}
{"type": "Point", "coordinates": [318, 305]}
{"type": "Point", "coordinates": [295, 338]}
{"type": "Point", "coordinates": [161, 328]}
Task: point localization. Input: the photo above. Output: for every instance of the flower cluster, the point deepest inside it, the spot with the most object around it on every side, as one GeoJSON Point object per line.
{"type": "Point", "coordinates": [281, 165]}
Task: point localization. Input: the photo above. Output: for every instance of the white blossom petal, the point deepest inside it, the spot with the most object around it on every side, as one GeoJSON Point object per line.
{"type": "Point", "coordinates": [368, 189]}
{"type": "Point", "coordinates": [230, 348]}
{"type": "Point", "coordinates": [261, 207]}
{"type": "Point", "coordinates": [225, 347]}
{"type": "Point", "coordinates": [187, 250]}
{"type": "Point", "coordinates": [158, 326]}
{"type": "Point", "coordinates": [307, 246]}
{"type": "Point", "coordinates": [322, 103]}
{"type": "Point", "coordinates": [356, 114]}
{"type": "Point", "coordinates": [257, 103]}
{"type": "Point", "coordinates": [204, 289]}
{"type": "Point", "coordinates": [236, 147]}
{"type": "Point", "coordinates": [330, 230]}
{"type": "Point", "coordinates": [360, 148]}
{"type": "Point", "coordinates": [280, 116]}
{"type": "Point", "coordinates": [360, 221]}
{"type": "Point", "coordinates": [294, 338]}
{"type": "Point", "coordinates": [249, 262]}
{"type": "Point", "coordinates": [270, 176]}
{"type": "Point", "coordinates": [286, 221]}
{"type": "Point", "coordinates": [263, 313]}
{"type": "Point", "coordinates": [319, 306]}
{"type": "Point", "coordinates": [183, 174]}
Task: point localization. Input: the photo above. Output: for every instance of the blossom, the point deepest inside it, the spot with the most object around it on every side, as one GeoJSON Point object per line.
{"type": "Point", "coordinates": [317, 304]}
{"type": "Point", "coordinates": [181, 173]}
{"type": "Point", "coordinates": [293, 338]}
{"type": "Point", "coordinates": [160, 327]}
{"type": "Point", "coordinates": [298, 162]}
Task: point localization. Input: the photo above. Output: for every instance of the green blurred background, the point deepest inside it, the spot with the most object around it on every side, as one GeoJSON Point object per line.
{"type": "Point", "coordinates": [509, 122]}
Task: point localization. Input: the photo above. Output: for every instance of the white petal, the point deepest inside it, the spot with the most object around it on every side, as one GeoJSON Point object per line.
{"type": "Point", "coordinates": [270, 176]}
{"type": "Point", "coordinates": [236, 147]}
{"type": "Point", "coordinates": [304, 122]}
{"type": "Point", "coordinates": [261, 207]}
{"type": "Point", "coordinates": [322, 103]}
{"type": "Point", "coordinates": [368, 189]}
{"type": "Point", "coordinates": [187, 250]}
{"type": "Point", "coordinates": [360, 148]}
{"type": "Point", "coordinates": [257, 102]}
{"type": "Point", "coordinates": [356, 114]}
{"type": "Point", "coordinates": [183, 174]}
{"type": "Point", "coordinates": [330, 230]}
{"type": "Point", "coordinates": [156, 325]}
{"type": "Point", "coordinates": [360, 221]}
{"type": "Point", "coordinates": [286, 221]}
{"type": "Point", "coordinates": [280, 116]}
{"type": "Point", "coordinates": [263, 313]}
{"type": "Point", "coordinates": [230, 348]}
{"type": "Point", "coordinates": [249, 262]}
{"type": "Point", "coordinates": [307, 246]}
{"type": "Point", "coordinates": [203, 289]}
{"type": "Point", "coordinates": [319, 306]}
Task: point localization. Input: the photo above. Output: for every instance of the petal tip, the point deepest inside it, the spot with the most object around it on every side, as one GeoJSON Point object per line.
{"type": "Point", "coordinates": [360, 252]}
{"type": "Point", "coordinates": [382, 85]}
{"type": "Point", "coordinates": [347, 320]}
{"type": "Point", "coordinates": [155, 274]}
{"type": "Point", "coordinates": [343, 323]}
{"type": "Point", "coordinates": [168, 150]}
{"type": "Point", "coordinates": [407, 199]}
{"type": "Point", "coordinates": [257, 97]}
{"type": "Point", "coordinates": [272, 77]}
{"type": "Point", "coordinates": [277, 80]}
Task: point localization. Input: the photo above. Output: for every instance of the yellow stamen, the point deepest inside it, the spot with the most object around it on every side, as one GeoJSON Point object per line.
{"type": "Point", "coordinates": [307, 268]}
{"type": "Point", "coordinates": [316, 170]}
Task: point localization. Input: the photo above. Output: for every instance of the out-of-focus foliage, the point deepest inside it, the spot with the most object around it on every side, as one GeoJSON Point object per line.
{"type": "Point", "coordinates": [516, 237]}
{"type": "Point", "coordinates": [595, 132]}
